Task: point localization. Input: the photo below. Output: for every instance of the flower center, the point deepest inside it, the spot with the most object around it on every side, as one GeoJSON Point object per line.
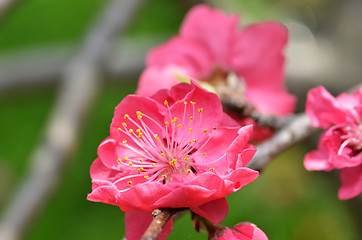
{"type": "Point", "coordinates": [228, 86]}
{"type": "Point", "coordinates": [352, 138]}
{"type": "Point", "coordinates": [161, 152]}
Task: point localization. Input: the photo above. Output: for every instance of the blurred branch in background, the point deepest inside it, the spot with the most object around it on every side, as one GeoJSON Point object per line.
{"type": "Point", "coordinates": [312, 61]}
{"type": "Point", "coordinates": [5, 5]}
{"type": "Point", "coordinates": [78, 90]}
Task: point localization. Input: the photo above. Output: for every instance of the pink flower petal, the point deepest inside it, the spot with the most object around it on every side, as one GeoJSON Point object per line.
{"type": "Point", "coordinates": [257, 60]}
{"type": "Point", "coordinates": [158, 77]}
{"type": "Point", "coordinates": [211, 29]}
{"type": "Point", "coordinates": [323, 109]}
{"type": "Point", "coordinates": [215, 211]}
{"type": "Point", "coordinates": [250, 231]}
{"type": "Point", "coordinates": [351, 179]}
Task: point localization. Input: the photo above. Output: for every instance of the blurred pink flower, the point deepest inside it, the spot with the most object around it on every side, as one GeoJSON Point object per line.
{"type": "Point", "coordinates": [173, 150]}
{"type": "Point", "coordinates": [242, 231]}
{"type": "Point", "coordinates": [209, 47]}
{"type": "Point", "coordinates": [340, 146]}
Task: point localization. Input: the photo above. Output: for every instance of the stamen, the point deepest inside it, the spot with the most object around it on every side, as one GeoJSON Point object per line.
{"type": "Point", "coordinates": [200, 109]}
{"type": "Point", "coordinates": [130, 164]}
{"type": "Point", "coordinates": [126, 116]}
{"type": "Point", "coordinates": [205, 131]}
{"type": "Point", "coordinates": [165, 102]}
{"type": "Point", "coordinates": [188, 171]}
{"type": "Point", "coordinates": [212, 169]}
{"type": "Point", "coordinates": [129, 182]}
{"type": "Point", "coordinates": [119, 160]}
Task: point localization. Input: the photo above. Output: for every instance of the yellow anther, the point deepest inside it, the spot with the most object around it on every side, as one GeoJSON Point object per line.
{"type": "Point", "coordinates": [192, 102]}
{"type": "Point", "coordinates": [188, 171]}
{"type": "Point", "coordinates": [126, 158]}
{"type": "Point", "coordinates": [173, 162]}
{"type": "Point", "coordinates": [140, 169]}
{"type": "Point", "coordinates": [194, 140]}
{"type": "Point", "coordinates": [156, 136]}
{"type": "Point", "coordinates": [214, 128]}
{"type": "Point", "coordinates": [119, 129]}
{"type": "Point", "coordinates": [129, 182]}
{"type": "Point", "coordinates": [174, 120]}
{"type": "Point", "coordinates": [124, 124]}
{"type": "Point", "coordinates": [191, 118]}
{"type": "Point", "coordinates": [139, 117]}
{"type": "Point", "coordinates": [179, 125]}
{"type": "Point", "coordinates": [119, 160]}
{"type": "Point", "coordinates": [165, 102]}
{"type": "Point", "coordinates": [167, 123]}
{"type": "Point", "coordinates": [185, 103]}
{"type": "Point", "coordinates": [200, 109]}
{"type": "Point", "coordinates": [190, 142]}
{"type": "Point", "coordinates": [212, 169]}
{"type": "Point", "coordinates": [162, 154]}
{"type": "Point", "coordinates": [124, 141]}
{"type": "Point", "coordinates": [186, 158]}
{"type": "Point", "coordinates": [190, 129]}
{"type": "Point", "coordinates": [164, 175]}
{"type": "Point", "coordinates": [153, 164]}
{"type": "Point", "coordinates": [141, 159]}
{"type": "Point", "coordinates": [139, 113]}
{"type": "Point", "coordinates": [130, 164]}
{"type": "Point", "coordinates": [205, 131]}
{"type": "Point", "coordinates": [126, 116]}
{"type": "Point", "coordinates": [146, 176]}
{"type": "Point", "coordinates": [138, 130]}
{"type": "Point", "coordinates": [131, 130]}
{"type": "Point", "coordinates": [140, 135]}
{"type": "Point", "coordinates": [203, 154]}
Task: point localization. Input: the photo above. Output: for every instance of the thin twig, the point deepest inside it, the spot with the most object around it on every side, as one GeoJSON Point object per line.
{"type": "Point", "coordinates": [78, 91]}
{"type": "Point", "coordinates": [160, 218]}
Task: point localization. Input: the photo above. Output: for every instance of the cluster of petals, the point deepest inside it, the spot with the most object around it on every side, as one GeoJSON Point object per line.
{"type": "Point", "coordinates": [175, 149]}
{"type": "Point", "coordinates": [242, 231]}
{"type": "Point", "coordinates": [210, 46]}
{"type": "Point", "coordinates": [340, 146]}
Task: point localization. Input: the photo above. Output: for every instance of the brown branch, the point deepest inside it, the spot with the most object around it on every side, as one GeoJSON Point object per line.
{"type": "Point", "coordinates": [78, 90]}
{"type": "Point", "coordinates": [298, 129]}
{"type": "Point", "coordinates": [160, 218]}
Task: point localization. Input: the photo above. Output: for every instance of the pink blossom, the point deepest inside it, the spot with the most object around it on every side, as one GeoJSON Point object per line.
{"type": "Point", "coordinates": [242, 231]}
{"type": "Point", "coordinates": [210, 48]}
{"type": "Point", "coordinates": [340, 146]}
{"type": "Point", "coordinates": [172, 150]}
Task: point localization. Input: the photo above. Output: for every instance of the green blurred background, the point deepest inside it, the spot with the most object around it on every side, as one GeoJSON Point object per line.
{"type": "Point", "coordinates": [286, 202]}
